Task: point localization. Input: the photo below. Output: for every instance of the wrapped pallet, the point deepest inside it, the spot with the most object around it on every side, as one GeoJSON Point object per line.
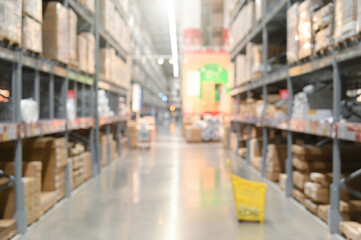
{"type": "Point", "coordinates": [10, 21]}
{"type": "Point", "coordinates": [72, 34]}
{"type": "Point", "coordinates": [305, 30]}
{"type": "Point", "coordinates": [82, 53]}
{"type": "Point", "coordinates": [33, 9]}
{"type": "Point", "coordinates": [345, 19]}
{"type": "Point", "coordinates": [292, 34]}
{"type": "Point", "coordinates": [323, 25]}
{"type": "Point", "coordinates": [89, 5]}
{"type": "Point", "coordinates": [32, 35]}
{"type": "Point", "coordinates": [55, 32]}
{"type": "Point", "coordinates": [324, 38]}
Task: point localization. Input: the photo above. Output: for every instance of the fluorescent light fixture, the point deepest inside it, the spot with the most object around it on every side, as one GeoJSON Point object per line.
{"type": "Point", "coordinates": [173, 36]}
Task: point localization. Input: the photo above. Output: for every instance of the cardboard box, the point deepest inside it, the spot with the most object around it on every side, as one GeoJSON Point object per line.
{"type": "Point", "coordinates": [32, 35]}
{"type": "Point", "coordinates": [242, 152]}
{"type": "Point", "coordinates": [317, 192]}
{"type": "Point", "coordinates": [282, 178]}
{"type": "Point", "coordinates": [351, 230]}
{"type": "Point", "coordinates": [293, 43]}
{"type": "Point", "coordinates": [10, 21]}
{"type": "Point", "coordinates": [256, 162]}
{"type": "Point", "coordinates": [319, 166]}
{"type": "Point", "coordinates": [345, 19]}
{"type": "Point", "coordinates": [87, 165]}
{"type": "Point", "coordinates": [55, 32]}
{"type": "Point", "coordinates": [275, 161]}
{"type": "Point", "coordinates": [299, 179]}
{"type": "Point", "coordinates": [33, 9]}
{"type": "Point", "coordinates": [7, 229]}
{"type": "Point", "coordinates": [226, 136]}
{"type": "Point", "coordinates": [82, 53]}
{"type": "Point", "coordinates": [88, 4]}
{"type": "Point", "coordinates": [72, 36]}
{"type": "Point", "coordinates": [299, 196]}
{"type": "Point", "coordinates": [193, 134]}
{"type": "Point", "coordinates": [311, 206]}
{"type": "Point", "coordinates": [233, 142]}
{"type": "Point", "coordinates": [48, 200]}
{"type": "Point", "coordinates": [86, 42]}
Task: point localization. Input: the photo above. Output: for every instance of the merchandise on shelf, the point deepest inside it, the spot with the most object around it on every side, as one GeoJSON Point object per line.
{"type": "Point", "coordinates": [103, 105]}
{"type": "Point", "coordinates": [193, 134]}
{"type": "Point", "coordinates": [282, 178]}
{"type": "Point", "coordinates": [55, 32]}
{"type": "Point", "coordinates": [72, 28]}
{"type": "Point", "coordinates": [233, 142]}
{"type": "Point", "coordinates": [10, 21]}
{"type": "Point", "coordinates": [345, 19]}
{"type": "Point", "coordinates": [7, 228]}
{"type": "Point", "coordinates": [71, 108]}
{"type": "Point", "coordinates": [305, 29]}
{"type": "Point", "coordinates": [29, 110]}
{"type": "Point", "coordinates": [82, 53]}
{"type": "Point", "coordinates": [242, 75]}
{"type": "Point", "coordinates": [351, 230]}
{"type": "Point", "coordinates": [255, 155]}
{"type": "Point", "coordinates": [275, 161]}
{"type": "Point", "coordinates": [32, 35]}
{"type": "Point", "coordinates": [47, 200]}
{"type": "Point", "coordinates": [210, 128]}
{"type": "Point", "coordinates": [226, 135]}
{"type": "Point", "coordinates": [293, 43]}
{"type": "Point", "coordinates": [132, 129]}
{"type": "Point", "coordinates": [89, 5]}
{"type": "Point", "coordinates": [323, 25]}
{"type": "Point", "coordinates": [34, 9]}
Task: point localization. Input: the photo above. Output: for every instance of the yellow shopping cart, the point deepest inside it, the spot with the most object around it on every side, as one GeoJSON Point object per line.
{"type": "Point", "coordinates": [249, 197]}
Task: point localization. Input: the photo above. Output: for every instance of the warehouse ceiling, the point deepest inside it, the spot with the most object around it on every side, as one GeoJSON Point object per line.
{"type": "Point", "coordinates": [155, 18]}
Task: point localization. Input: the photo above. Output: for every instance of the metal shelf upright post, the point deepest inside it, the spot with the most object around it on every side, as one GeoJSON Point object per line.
{"type": "Point", "coordinates": [289, 167]}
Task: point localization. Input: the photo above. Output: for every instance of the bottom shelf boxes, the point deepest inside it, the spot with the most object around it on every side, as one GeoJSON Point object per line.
{"type": "Point", "coordinates": [47, 201]}
{"type": "Point", "coordinates": [7, 229]}
{"type": "Point", "coordinates": [351, 230]}
{"type": "Point", "coordinates": [282, 178]}
{"type": "Point", "coordinates": [299, 196]}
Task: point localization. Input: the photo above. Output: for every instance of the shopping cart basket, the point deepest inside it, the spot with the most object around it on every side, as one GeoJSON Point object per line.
{"type": "Point", "coordinates": [249, 197]}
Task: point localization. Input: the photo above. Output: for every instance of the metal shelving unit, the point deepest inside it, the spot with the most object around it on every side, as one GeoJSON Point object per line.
{"type": "Point", "coordinates": [331, 66]}
{"type": "Point", "coordinates": [50, 82]}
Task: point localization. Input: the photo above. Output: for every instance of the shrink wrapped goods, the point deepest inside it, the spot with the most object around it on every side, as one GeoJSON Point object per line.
{"type": "Point", "coordinates": [10, 21]}
{"type": "Point", "coordinates": [72, 27]}
{"type": "Point", "coordinates": [323, 27]}
{"type": "Point", "coordinates": [103, 105]}
{"type": "Point", "coordinates": [82, 53]}
{"type": "Point", "coordinates": [32, 35]}
{"type": "Point", "coordinates": [29, 110]}
{"type": "Point", "coordinates": [324, 38]}
{"type": "Point", "coordinates": [55, 32]}
{"type": "Point", "coordinates": [305, 30]}
{"type": "Point", "coordinates": [33, 9]}
{"type": "Point", "coordinates": [210, 128]}
{"type": "Point", "coordinates": [292, 33]}
{"type": "Point", "coordinates": [345, 19]}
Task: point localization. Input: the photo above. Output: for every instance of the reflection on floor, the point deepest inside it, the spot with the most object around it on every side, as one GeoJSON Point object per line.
{"type": "Point", "coordinates": [174, 191]}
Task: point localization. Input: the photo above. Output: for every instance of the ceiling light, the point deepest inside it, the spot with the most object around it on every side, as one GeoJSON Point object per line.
{"type": "Point", "coordinates": [173, 36]}
{"type": "Point", "coordinates": [160, 61]}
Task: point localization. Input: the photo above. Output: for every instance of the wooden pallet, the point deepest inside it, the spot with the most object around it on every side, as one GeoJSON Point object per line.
{"type": "Point", "coordinates": [8, 41]}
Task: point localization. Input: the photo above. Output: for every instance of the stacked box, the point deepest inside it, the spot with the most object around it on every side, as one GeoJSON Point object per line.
{"type": "Point", "coordinates": [7, 229]}
{"type": "Point", "coordinates": [275, 161]}
{"type": "Point", "coordinates": [349, 210]}
{"type": "Point", "coordinates": [86, 51]}
{"type": "Point", "coordinates": [241, 70]}
{"type": "Point", "coordinates": [255, 154]}
{"type": "Point", "coordinates": [193, 134]}
{"type": "Point", "coordinates": [32, 35]}
{"type": "Point", "coordinates": [107, 12]}
{"type": "Point", "coordinates": [345, 19]}
{"type": "Point", "coordinates": [132, 129]}
{"type": "Point", "coordinates": [305, 30]}
{"type": "Point", "coordinates": [87, 160]}
{"type": "Point", "coordinates": [88, 4]}
{"type": "Point", "coordinates": [351, 230]}
{"type": "Point", "coordinates": [104, 148]}
{"type": "Point", "coordinates": [10, 21]}
{"type": "Point", "coordinates": [282, 178]}
{"type": "Point", "coordinates": [52, 152]}
{"type": "Point", "coordinates": [317, 193]}
{"type": "Point", "coordinates": [48, 200]}
{"type": "Point", "coordinates": [293, 43]}
{"type": "Point", "coordinates": [55, 32]}
{"type": "Point", "coordinates": [233, 142]}
{"type": "Point", "coordinates": [105, 68]}
{"type": "Point", "coordinates": [72, 37]}
{"type": "Point", "coordinates": [33, 9]}
{"type": "Point", "coordinates": [113, 149]}
{"type": "Point", "coordinates": [323, 27]}
{"type": "Point", "coordinates": [77, 170]}
{"type": "Point", "coordinates": [82, 53]}
{"type": "Point", "coordinates": [226, 136]}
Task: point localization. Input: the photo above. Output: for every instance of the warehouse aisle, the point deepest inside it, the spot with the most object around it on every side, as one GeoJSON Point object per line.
{"type": "Point", "coordinates": [174, 191]}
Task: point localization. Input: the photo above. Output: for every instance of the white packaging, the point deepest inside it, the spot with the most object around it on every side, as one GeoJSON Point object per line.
{"type": "Point", "coordinates": [29, 110]}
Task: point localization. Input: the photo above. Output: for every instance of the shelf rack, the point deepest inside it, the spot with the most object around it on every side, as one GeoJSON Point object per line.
{"type": "Point", "coordinates": [330, 66]}
{"type": "Point", "coordinates": [51, 80]}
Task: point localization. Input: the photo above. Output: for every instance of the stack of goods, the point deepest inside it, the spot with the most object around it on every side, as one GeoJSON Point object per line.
{"type": "Point", "coordinates": [7, 229]}
{"type": "Point", "coordinates": [88, 4]}
{"type": "Point", "coordinates": [292, 34]}
{"type": "Point", "coordinates": [323, 27]}
{"type": "Point", "coordinates": [113, 149]}
{"type": "Point", "coordinates": [226, 134]}
{"type": "Point", "coordinates": [104, 148]}
{"type": "Point", "coordinates": [52, 152]}
{"type": "Point", "coordinates": [351, 230]}
{"type": "Point", "coordinates": [87, 160]}
{"type": "Point", "coordinates": [112, 67]}
{"type": "Point", "coordinates": [124, 142]}
{"type": "Point", "coordinates": [255, 155]}
{"type": "Point", "coordinates": [72, 38]}
{"type": "Point", "coordinates": [275, 161]}
{"type": "Point", "coordinates": [193, 133]}
{"type": "Point", "coordinates": [276, 108]}
{"type": "Point", "coordinates": [32, 25]}
{"type": "Point", "coordinates": [307, 159]}
{"type": "Point", "coordinates": [48, 200]}
{"type": "Point", "coordinates": [55, 32]}
{"type": "Point", "coordinates": [32, 191]}
{"type": "Point", "coordinates": [346, 19]}
{"type": "Point", "coordinates": [305, 30]}
{"type": "Point", "coordinates": [210, 130]}
{"type": "Point", "coordinates": [132, 130]}
{"type": "Point", "coordinates": [241, 70]}
{"type": "Point", "coordinates": [103, 105]}
{"type": "Point", "coordinates": [282, 178]}
{"type": "Point", "coordinates": [243, 23]}
{"type": "Point", "coordinates": [187, 121]}
{"type": "Point", "coordinates": [77, 164]}
{"type": "Point", "coordinates": [10, 21]}
{"type": "Point", "coordinates": [85, 52]}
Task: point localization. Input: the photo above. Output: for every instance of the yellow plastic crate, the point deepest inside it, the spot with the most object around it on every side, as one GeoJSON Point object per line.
{"type": "Point", "coordinates": [249, 197]}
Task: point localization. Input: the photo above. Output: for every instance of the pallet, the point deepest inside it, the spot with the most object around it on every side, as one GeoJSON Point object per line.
{"type": "Point", "coordinates": [323, 51]}
{"type": "Point", "coordinates": [347, 39]}
{"type": "Point", "coordinates": [8, 42]}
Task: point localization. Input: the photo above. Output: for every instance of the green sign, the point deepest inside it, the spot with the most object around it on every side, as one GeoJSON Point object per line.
{"type": "Point", "coordinates": [213, 73]}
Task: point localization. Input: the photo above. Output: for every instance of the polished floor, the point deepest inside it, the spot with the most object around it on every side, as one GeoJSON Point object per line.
{"type": "Point", "coordinates": [173, 191]}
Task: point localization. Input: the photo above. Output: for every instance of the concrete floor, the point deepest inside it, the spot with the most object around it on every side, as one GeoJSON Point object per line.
{"type": "Point", "coordinates": [174, 191]}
